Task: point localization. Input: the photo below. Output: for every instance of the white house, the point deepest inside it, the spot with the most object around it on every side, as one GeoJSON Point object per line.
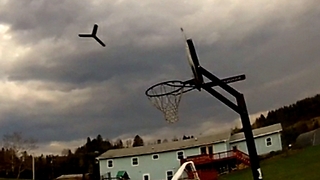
{"type": "Point", "coordinates": [161, 161]}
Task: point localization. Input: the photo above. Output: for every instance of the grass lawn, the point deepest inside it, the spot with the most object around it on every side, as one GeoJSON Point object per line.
{"type": "Point", "coordinates": [297, 165]}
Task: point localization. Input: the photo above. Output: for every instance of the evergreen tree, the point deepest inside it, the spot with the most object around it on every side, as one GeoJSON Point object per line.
{"type": "Point", "coordinates": [137, 141]}
{"type": "Point", "coordinates": [88, 140]}
{"type": "Point", "coordinates": [99, 138]}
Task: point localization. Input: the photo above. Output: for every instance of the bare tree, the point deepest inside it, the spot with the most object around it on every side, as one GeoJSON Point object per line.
{"type": "Point", "coordinates": [19, 146]}
{"type": "Point", "coordinates": [128, 143]}
{"type": "Point", "coordinates": [118, 144]}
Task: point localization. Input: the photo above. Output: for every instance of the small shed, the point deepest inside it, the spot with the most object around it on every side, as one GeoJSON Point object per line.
{"type": "Point", "coordinates": [311, 138]}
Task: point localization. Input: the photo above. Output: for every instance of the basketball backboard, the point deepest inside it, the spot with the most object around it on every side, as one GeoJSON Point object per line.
{"type": "Point", "coordinates": [193, 60]}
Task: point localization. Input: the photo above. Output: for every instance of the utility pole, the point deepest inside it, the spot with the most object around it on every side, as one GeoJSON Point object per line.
{"type": "Point", "coordinates": [33, 169]}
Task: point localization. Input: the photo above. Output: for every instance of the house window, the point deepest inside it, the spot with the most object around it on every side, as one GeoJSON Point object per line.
{"type": "Point", "coordinates": [180, 155]}
{"type": "Point", "coordinates": [155, 156]}
{"type": "Point", "coordinates": [146, 177]}
{"type": "Point", "coordinates": [110, 163]}
{"type": "Point", "coordinates": [169, 175]}
{"type": "Point", "coordinates": [269, 141]}
{"type": "Point", "coordinates": [206, 150]}
{"type": "Point", "coordinates": [203, 150]}
{"type": "Point", "coordinates": [135, 161]}
{"type": "Point", "coordinates": [234, 148]}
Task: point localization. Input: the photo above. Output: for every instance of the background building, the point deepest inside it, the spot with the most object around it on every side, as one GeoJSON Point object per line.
{"type": "Point", "coordinates": [161, 161]}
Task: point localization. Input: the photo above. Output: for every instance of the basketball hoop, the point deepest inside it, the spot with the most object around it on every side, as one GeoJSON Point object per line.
{"type": "Point", "coordinates": [166, 97]}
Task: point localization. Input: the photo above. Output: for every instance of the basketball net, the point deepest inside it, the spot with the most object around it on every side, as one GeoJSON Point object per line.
{"type": "Point", "coordinates": [166, 98]}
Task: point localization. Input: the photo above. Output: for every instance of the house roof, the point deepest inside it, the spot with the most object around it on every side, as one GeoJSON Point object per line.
{"type": "Point", "coordinates": [188, 143]}
{"type": "Point", "coordinates": [275, 128]}
{"type": "Point", "coordinates": [163, 147]}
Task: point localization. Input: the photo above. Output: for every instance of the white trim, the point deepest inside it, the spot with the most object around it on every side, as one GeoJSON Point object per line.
{"type": "Point", "coordinates": [212, 148]}
{"type": "Point", "coordinates": [279, 140]}
{"type": "Point", "coordinates": [179, 152]}
{"type": "Point", "coordinates": [132, 161]}
{"type": "Point", "coordinates": [269, 133]}
{"type": "Point", "coordinates": [146, 174]}
{"type": "Point", "coordinates": [112, 162]}
{"type": "Point", "coordinates": [167, 174]}
{"type": "Point", "coordinates": [155, 155]}
{"type": "Point", "coordinates": [256, 136]}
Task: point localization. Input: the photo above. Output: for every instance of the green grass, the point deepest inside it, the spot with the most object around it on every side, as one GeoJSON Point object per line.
{"type": "Point", "coordinates": [297, 165]}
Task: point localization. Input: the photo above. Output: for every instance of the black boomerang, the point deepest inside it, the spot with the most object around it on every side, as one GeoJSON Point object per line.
{"type": "Point", "coordinates": [94, 35]}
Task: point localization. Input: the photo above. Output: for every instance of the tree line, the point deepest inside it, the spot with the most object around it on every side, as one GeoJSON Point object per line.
{"type": "Point", "coordinates": [297, 118]}
{"type": "Point", "coordinates": [16, 162]}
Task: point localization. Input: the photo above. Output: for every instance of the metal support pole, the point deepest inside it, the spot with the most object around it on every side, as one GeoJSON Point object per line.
{"type": "Point", "coordinates": [246, 125]}
{"type": "Point", "coordinates": [241, 109]}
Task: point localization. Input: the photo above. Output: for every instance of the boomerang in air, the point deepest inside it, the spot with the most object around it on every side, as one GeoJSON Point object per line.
{"type": "Point", "coordinates": [93, 35]}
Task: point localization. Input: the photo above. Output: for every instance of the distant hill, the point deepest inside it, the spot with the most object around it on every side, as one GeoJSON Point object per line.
{"type": "Point", "coordinates": [297, 118]}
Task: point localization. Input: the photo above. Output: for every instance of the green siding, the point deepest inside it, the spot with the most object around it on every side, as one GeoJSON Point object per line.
{"type": "Point", "coordinates": [221, 147]}
{"type": "Point", "coordinates": [261, 146]}
{"type": "Point", "coordinates": [168, 160]}
{"type": "Point", "coordinates": [156, 168]}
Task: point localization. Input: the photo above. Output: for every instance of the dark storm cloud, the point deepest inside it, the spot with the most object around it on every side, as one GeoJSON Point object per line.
{"type": "Point", "coordinates": [93, 67]}
{"type": "Point", "coordinates": [128, 44]}
{"type": "Point", "coordinates": [35, 20]}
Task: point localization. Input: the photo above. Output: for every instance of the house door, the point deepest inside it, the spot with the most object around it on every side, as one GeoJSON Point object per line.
{"type": "Point", "coordinates": [203, 150]}
{"type": "Point", "coordinates": [210, 149]}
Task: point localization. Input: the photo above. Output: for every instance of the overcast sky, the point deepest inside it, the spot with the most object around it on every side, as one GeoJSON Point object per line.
{"type": "Point", "coordinates": [60, 89]}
